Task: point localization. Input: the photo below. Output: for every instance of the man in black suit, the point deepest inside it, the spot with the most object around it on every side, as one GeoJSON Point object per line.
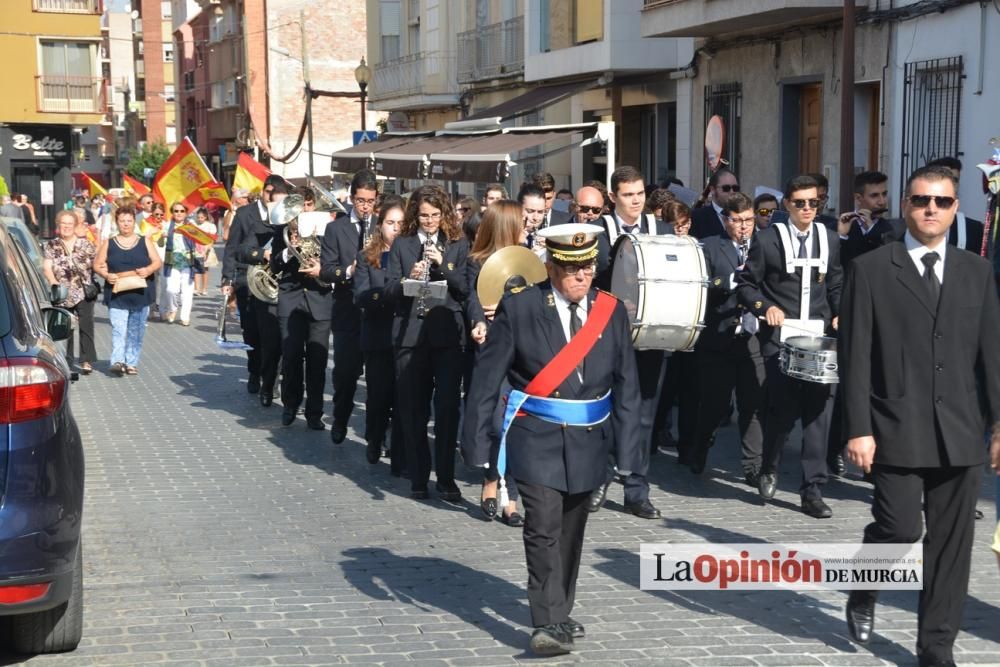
{"type": "Point", "coordinates": [557, 459]}
{"type": "Point", "coordinates": [865, 228]}
{"type": "Point", "coordinates": [708, 220]}
{"type": "Point", "coordinates": [234, 275]}
{"type": "Point", "coordinates": [728, 352]}
{"type": "Point", "coordinates": [793, 271]}
{"type": "Point", "coordinates": [342, 241]}
{"type": "Point", "coordinates": [547, 183]}
{"type": "Point", "coordinates": [919, 325]}
{"type": "Point", "coordinates": [304, 317]}
{"type": "Point", "coordinates": [628, 192]}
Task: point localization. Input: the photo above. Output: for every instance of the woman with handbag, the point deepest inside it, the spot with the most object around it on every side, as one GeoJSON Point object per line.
{"type": "Point", "coordinates": [203, 219]}
{"type": "Point", "coordinates": [69, 262]}
{"type": "Point", "coordinates": [180, 266]}
{"type": "Point", "coordinates": [128, 263]}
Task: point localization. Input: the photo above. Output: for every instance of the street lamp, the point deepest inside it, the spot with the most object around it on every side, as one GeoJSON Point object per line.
{"type": "Point", "coordinates": [363, 74]}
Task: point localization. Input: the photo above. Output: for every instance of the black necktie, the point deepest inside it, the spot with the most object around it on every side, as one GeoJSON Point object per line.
{"type": "Point", "coordinates": [574, 326]}
{"type": "Point", "coordinates": [930, 276]}
{"type": "Point", "coordinates": [630, 229]}
{"type": "Point", "coordinates": [803, 253]}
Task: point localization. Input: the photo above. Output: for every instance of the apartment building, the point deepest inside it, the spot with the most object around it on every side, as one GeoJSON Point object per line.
{"type": "Point", "coordinates": [54, 93]}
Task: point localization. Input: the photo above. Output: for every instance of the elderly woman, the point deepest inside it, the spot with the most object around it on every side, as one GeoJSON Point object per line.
{"type": "Point", "coordinates": [180, 265]}
{"type": "Point", "coordinates": [127, 262]}
{"type": "Point", "coordinates": [69, 262]}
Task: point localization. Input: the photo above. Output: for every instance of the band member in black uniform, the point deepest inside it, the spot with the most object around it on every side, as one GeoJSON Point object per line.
{"type": "Point", "coordinates": [560, 423]}
{"type": "Point", "coordinates": [344, 238]}
{"type": "Point", "coordinates": [234, 276]}
{"type": "Point", "coordinates": [728, 352]}
{"type": "Point", "coordinates": [547, 183]}
{"type": "Point", "coordinates": [628, 191]}
{"type": "Point", "coordinates": [785, 263]}
{"type": "Point", "coordinates": [376, 336]}
{"type": "Point", "coordinates": [428, 335]}
{"type": "Point", "coordinates": [919, 363]}
{"type": "Point", "coordinates": [303, 312]}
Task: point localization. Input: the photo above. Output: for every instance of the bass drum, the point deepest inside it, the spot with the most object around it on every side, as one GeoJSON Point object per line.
{"type": "Point", "coordinates": [663, 281]}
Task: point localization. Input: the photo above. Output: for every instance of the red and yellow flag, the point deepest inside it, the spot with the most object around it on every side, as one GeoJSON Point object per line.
{"type": "Point", "coordinates": [181, 176]}
{"type": "Point", "coordinates": [195, 233]}
{"type": "Point", "coordinates": [214, 192]}
{"type": "Point", "coordinates": [134, 187]}
{"type": "Point", "coordinates": [93, 186]}
{"type": "Point", "coordinates": [250, 174]}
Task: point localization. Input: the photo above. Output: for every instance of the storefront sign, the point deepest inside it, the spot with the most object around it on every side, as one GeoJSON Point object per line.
{"type": "Point", "coordinates": [43, 147]}
{"type": "Point", "coordinates": [29, 142]}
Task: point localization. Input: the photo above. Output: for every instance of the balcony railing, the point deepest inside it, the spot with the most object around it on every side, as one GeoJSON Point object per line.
{"type": "Point", "coordinates": [68, 6]}
{"type": "Point", "coordinates": [408, 76]}
{"type": "Point", "coordinates": [70, 94]}
{"type": "Point", "coordinates": [491, 52]}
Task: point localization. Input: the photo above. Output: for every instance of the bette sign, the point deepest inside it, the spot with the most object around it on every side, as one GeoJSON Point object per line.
{"type": "Point", "coordinates": [44, 147]}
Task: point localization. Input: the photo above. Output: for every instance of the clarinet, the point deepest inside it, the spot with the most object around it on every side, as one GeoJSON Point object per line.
{"type": "Point", "coordinates": [425, 288]}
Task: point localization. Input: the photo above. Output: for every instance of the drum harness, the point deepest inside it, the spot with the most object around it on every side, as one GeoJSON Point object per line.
{"type": "Point", "coordinates": [806, 264]}
{"type": "Point", "coordinates": [614, 231]}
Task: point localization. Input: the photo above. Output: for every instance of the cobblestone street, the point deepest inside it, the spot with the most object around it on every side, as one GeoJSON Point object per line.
{"type": "Point", "coordinates": [213, 536]}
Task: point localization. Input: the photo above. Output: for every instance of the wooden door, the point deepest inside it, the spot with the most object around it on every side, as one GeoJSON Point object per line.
{"type": "Point", "coordinates": [810, 119]}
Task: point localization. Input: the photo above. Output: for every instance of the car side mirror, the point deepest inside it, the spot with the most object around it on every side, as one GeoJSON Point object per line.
{"type": "Point", "coordinates": [59, 322]}
{"type": "Point", "coordinates": [59, 293]}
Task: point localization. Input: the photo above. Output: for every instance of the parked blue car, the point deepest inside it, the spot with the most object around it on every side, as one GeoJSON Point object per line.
{"type": "Point", "coordinates": [41, 467]}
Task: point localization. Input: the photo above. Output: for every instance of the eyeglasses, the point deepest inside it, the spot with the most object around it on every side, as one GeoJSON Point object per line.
{"type": "Point", "coordinates": [766, 212]}
{"type": "Point", "coordinates": [363, 202]}
{"type": "Point", "coordinates": [429, 216]}
{"type": "Point", "coordinates": [741, 221]}
{"type": "Point", "coordinates": [923, 201]}
{"type": "Point", "coordinates": [462, 209]}
{"type": "Point", "coordinates": [729, 188]}
{"type": "Point", "coordinates": [803, 203]}
{"type": "Point", "coordinates": [589, 209]}
{"type": "Point", "coordinates": [573, 269]}
{"type": "Point", "coordinates": [179, 210]}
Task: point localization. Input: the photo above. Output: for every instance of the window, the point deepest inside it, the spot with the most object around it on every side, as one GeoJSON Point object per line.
{"type": "Point", "coordinates": [169, 93]}
{"type": "Point", "coordinates": [67, 6]}
{"type": "Point", "coordinates": [932, 91]}
{"type": "Point", "coordinates": [67, 81]}
{"type": "Point", "coordinates": [566, 23]}
{"type": "Point", "coordinates": [168, 53]}
{"type": "Point", "coordinates": [167, 9]}
{"type": "Point", "coordinates": [224, 94]}
{"type": "Point", "coordinates": [588, 21]}
{"type": "Point", "coordinates": [188, 81]}
{"type": "Point", "coordinates": [389, 29]}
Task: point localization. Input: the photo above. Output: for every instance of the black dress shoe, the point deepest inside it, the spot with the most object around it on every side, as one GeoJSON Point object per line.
{"type": "Point", "coordinates": [551, 640]}
{"type": "Point", "coordinates": [979, 515]}
{"type": "Point", "coordinates": [287, 417]}
{"type": "Point", "coordinates": [837, 466]}
{"type": "Point", "coordinates": [643, 510]}
{"type": "Point", "coordinates": [766, 484]}
{"type": "Point", "coordinates": [488, 506]}
{"type": "Point", "coordinates": [420, 494]}
{"type": "Point", "coordinates": [338, 433]}
{"type": "Point", "coordinates": [514, 519]}
{"type": "Point", "coordinates": [575, 629]}
{"type": "Point", "coordinates": [373, 452]}
{"type": "Point", "coordinates": [751, 477]}
{"type": "Point", "coordinates": [861, 615]}
{"type": "Point", "coordinates": [253, 384]}
{"type": "Point", "coordinates": [698, 460]}
{"type": "Point", "coordinates": [597, 497]}
{"type": "Point", "coordinates": [316, 423]}
{"type": "Point", "coordinates": [933, 661]}
{"type": "Point", "coordinates": [816, 508]}
{"type": "Point", "coordinates": [266, 399]}
{"type": "Point", "coordinates": [448, 491]}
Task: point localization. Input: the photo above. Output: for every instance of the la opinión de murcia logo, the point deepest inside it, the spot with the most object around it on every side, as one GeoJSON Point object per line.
{"type": "Point", "coordinates": [47, 145]}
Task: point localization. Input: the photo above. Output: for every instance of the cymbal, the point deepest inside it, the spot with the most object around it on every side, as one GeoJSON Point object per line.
{"type": "Point", "coordinates": [504, 264]}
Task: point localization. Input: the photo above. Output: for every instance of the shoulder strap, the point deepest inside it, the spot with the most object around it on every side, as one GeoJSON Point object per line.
{"type": "Point", "coordinates": [611, 227]}
{"type": "Point", "coordinates": [962, 232]}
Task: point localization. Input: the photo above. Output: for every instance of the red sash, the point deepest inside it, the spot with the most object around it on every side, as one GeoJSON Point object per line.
{"type": "Point", "coordinates": [568, 358]}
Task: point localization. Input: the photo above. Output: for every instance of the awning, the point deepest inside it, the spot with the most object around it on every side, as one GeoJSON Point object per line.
{"type": "Point", "coordinates": [362, 156]}
{"type": "Point", "coordinates": [409, 160]}
{"type": "Point", "coordinates": [533, 100]}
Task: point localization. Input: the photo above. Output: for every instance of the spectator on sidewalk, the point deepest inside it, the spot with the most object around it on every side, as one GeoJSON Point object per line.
{"type": "Point", "coordinates": [69, 262]}
{"type": "Point", "coordinates": [203, 219]}
{"type": "Point", "coordinates": [180, 266]}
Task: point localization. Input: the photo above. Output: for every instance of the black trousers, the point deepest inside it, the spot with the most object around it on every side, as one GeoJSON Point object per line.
{"type": "Point", "coordinates": [268, 342]}
{"type": "Point", "coordinates": [248, 322]}
{"type": "Point", "coordinates": [85, 325]}
{"type": "Point", "coordinates": [304, 339]}
{"type": "Point", "coordinates": [348, 364]}
{"type": "Point", "coordinates": [738, 368]}
{"type": "Point", "coordinates": [680, 388]}
{"type": "Point", "coordinates": [948, 496]}
{"type": "Point", "coordinates": [423, 373]}
{"type": "Point", "coordinates": [790, 400]}
{"type": "Point", "coordinates": [380, 405]}
{"type": "Point", "coordinates": [835, 443]}
{"type": "Point", "coordinates": [554, 523]}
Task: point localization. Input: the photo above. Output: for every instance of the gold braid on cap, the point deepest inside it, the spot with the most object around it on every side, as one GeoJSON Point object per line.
{"type": "Point", "coordinates": [569, 255]}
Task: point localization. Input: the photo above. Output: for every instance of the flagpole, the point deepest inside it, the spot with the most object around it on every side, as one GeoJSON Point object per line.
{"type": "Point", "coordinates": [309, 95]}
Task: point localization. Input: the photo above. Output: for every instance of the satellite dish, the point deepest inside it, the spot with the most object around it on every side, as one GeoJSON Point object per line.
{"type": "Point", "coordinates": [715, 138]}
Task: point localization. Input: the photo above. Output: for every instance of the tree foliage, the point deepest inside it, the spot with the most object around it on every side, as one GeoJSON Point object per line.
{"type": "Point", "coordinates": [149, 156]}
{"type": "Point", "coordinates": [3, 187]}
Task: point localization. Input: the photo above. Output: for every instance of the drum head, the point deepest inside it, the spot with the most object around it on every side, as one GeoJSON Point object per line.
{"type": "Point", "coordinates": [813, 343]}
{"type": "Point", "coordinates": [625, 275]}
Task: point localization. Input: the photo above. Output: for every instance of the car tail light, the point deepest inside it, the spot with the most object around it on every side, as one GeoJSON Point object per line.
{"type": "Point", "coordinates": [27, 593]}
{"type": "Point", "coordinates": [29, 389]}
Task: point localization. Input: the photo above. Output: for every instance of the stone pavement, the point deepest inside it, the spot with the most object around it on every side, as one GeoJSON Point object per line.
{"type": "Point", "coordinates": [213, 536]}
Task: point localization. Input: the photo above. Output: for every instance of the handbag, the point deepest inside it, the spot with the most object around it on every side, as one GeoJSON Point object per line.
{"type": "Point", "coordinates": [129, 283]}
{"type": "Point", "coordinates": [211, 259]}
{"type": "Point", "coordinates": [91, 290]}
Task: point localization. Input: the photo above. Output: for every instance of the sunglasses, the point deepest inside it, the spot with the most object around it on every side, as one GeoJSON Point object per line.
{"type": "Point", "coordinates": [923, 201]}
{"type": "Point", "coordinates": [462, 209]}
{"type": "Point", "coordinates": [179, 210]}
{"type": "Point", "coordinates": [589, 209]}
{"type": "Point", "coordinates": [729, 188]}
{"type": "Point", "coordinates": [803, 203]}
{"type": "Point", "coordinates": [766, 212]}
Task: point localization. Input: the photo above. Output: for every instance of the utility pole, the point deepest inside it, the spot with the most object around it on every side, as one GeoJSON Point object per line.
{"type": "Point", "coordinates": [309, 95]}
{"type": "Point", "coordinates": [847, 111]}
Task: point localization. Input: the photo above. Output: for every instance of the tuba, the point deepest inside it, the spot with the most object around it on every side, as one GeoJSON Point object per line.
{"type": "Point", "coordinates": [261, 281]}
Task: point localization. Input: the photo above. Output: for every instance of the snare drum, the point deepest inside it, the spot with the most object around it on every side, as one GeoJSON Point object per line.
{"type": "Point", "coordinates": [810, 358]}
{"type": "Point", "coordinates": [663, 281]}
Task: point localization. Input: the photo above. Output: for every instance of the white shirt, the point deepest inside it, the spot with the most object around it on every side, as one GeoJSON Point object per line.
{"type": "Point", "coordinates": [718, 214]}
{"type": "Point", "coordinates": [795, 238]}
{"type": "Point", "coordinates": [423, 238]}
{"type": "Point", "coordinates": [562, 309]}
{"type": "Point", "coordinates": [622, 224]}
{"type": "Point", "coordinates": [915, 249]}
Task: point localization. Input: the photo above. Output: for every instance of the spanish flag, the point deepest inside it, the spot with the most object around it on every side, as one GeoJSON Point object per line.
{"type": "Point", "coordinates": [181, 176]}
{"type": "Point", "coordinates": [195, 233]}
{"type": "Point", "coordinates": [214, 192]}
{"type": "Point", "coordinates": [93, 186]}
{"type": "Point", "coordinates": [134, 187]}
{"type": "Point", "coordinates": [250, 174]}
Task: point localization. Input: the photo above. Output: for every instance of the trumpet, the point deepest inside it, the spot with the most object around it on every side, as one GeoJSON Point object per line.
{"type": "Point", "coordinates": [425, 289]}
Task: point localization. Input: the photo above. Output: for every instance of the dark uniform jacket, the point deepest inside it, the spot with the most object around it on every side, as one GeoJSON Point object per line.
{"type": "Point", "coordinates": [706, 223]}
{"type": "Point", "coordinates": [907, 370]}
{"type": "Point", "coordinates": [341, 243]}
{"type": "Point", "coordinates": [376, 309]}
{"type": "Point", "coordinates": [524, 337]}
{"type": "Point", "coordinates": [722, 312]}
{"type": "Point", "coordinates": [443, 325]}
{"type": "Point", "coordinates": [297, 291]}
{"type": "Point", "coordinates": [234, 270]}
{"type": "Point", "coordinates": [764, 283]}
{"type": "Point", "coordinates": [858, 243]}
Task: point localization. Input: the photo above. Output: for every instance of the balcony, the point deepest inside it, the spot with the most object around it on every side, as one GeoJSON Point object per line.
{"type": "Point", "coordinates": [67, 6]}
{"type": "Point", "coordinates": [714, 18]}
{"type": "Point", "coordinates": [418, 81]}
{"type": "Point", "coordinates": [491, 52]}
{"type": "Point", "coordinates": [70, 94]}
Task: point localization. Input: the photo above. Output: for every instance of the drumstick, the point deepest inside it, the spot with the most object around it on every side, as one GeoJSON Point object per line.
{"type": "Point", "coordinates": [792, 326]}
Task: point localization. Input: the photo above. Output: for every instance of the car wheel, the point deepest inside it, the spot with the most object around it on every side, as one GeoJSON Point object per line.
{"type": "Point", "coordinates": [54, 630]}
